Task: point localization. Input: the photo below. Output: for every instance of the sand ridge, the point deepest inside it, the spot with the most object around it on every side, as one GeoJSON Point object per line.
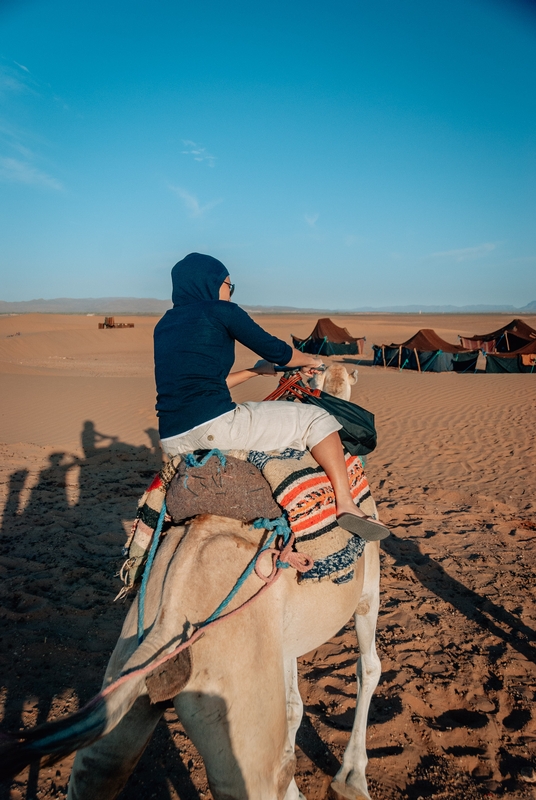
{"type": "Point", "coordinates": [453, 476]}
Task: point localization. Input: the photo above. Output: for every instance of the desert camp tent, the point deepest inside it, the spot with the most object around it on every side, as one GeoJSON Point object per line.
{"type": "Point", "coordinates": [426, 351]}
{"type": "Point", "coordinates": [522, 360]}
{"type": "Point", "coordinates": [505, 340]}
{"type": "Point", "coordinates": [328, 339]}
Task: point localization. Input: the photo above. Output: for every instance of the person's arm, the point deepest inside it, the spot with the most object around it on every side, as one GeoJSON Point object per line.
{"type": "Point", "coordinates": [250, 334]}
{"type": "Point", "coordinates": [243, 375]}
{"type": "Point", "coordinates": [308, 363]}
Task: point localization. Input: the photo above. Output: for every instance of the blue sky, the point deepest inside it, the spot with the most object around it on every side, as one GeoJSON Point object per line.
{"type": "Point", "coordinates": [330, 154]}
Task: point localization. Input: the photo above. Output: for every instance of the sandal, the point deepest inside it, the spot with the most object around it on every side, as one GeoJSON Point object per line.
{"type": "Point", "coordinates": [366, 527]}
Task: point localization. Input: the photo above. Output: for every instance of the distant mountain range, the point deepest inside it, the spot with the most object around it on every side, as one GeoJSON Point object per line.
{"type": "Point", "coordinates": [138, 305]}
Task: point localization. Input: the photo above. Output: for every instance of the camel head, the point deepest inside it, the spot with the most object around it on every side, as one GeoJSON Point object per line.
{"type": "Point", "coordinates": [336, 380]}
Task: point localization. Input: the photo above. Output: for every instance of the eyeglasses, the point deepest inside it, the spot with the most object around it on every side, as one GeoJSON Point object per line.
{"type": "Point", "coordinates": [231, 288]}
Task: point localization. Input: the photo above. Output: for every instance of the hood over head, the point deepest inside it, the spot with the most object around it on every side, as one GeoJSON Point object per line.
{"type": "Point", "coordinates": [197, 278]}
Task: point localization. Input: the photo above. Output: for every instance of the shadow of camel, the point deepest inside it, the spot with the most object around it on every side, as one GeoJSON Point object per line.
{"type": "Point", "coordinates": [481, 610]}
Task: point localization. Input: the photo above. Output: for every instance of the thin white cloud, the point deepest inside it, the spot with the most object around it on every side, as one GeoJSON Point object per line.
{"type": "Point", "coordinates": [199, 153]}
{"type": "Point", "coordinates": [23, 145]}
{"type": "Point", "coordinates": [14, 171]}
{"type": "Point", "coordinates": [467, 253]}
{"type": "Point", "coordinates": [311, 219]}
{"type": "Point", "coordinates": [192, 203]}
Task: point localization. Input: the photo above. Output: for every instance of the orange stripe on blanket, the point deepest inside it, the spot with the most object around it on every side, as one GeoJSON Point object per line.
{"type": "Point", "coordinates": [302, 487]}
{"type": "Point", "coordinates": [310, 522]}
{"type": "Point", "coordinates": [310, 502]}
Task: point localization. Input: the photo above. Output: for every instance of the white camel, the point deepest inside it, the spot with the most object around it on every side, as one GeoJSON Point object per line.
{"type": "Point", "coordinates": [237, 692]}
{"type": "Point", "coordinates": [240, 704]}
{"type": "Point", "coordinates": [335, 380]}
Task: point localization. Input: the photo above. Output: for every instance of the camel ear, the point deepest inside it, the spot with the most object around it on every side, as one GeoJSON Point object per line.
{"type": "Point", "coordinates": [352, 377]}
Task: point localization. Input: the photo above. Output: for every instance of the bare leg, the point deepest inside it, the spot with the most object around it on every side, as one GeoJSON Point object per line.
{"type": "Point", "coordinates": [330, 456]}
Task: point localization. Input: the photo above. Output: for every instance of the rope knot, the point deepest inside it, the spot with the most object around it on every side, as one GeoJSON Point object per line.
{"type": "Point", "coordinates": [283, 557]}
{"type": "Point", "coordinates": [301, 562]}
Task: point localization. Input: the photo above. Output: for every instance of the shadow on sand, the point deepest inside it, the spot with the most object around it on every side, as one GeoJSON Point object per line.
{"type": "Point", "coordinates": [58, 563]}
{"type": "Point", "coordinates": [60, 557]}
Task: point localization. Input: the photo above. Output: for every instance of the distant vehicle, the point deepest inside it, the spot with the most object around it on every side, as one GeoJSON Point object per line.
{"type": "Point", "coordinates": [109, 322]}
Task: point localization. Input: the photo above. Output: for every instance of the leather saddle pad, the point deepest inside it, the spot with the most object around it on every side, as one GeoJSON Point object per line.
{"type": "Point", "coordinates": [236, 489]}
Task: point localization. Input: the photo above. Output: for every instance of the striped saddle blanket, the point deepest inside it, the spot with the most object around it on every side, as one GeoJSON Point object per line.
{"type": "Point", "coordinates": [304, 491]}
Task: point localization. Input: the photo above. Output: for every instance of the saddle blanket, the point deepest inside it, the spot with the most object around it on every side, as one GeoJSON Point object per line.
{"type": "Point", "coordinates": [303, 491]}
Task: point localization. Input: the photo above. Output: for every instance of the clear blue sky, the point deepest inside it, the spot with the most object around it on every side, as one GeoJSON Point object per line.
{"type": "Point", "coordinates": [331, 154]}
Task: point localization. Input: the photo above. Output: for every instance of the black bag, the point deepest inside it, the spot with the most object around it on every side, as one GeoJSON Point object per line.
{"type": "Point", "coordinates": [358, 433]}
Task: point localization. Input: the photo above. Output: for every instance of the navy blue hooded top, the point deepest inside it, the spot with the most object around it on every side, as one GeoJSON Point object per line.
{"type": "Point", "coordinates": [194, 348]}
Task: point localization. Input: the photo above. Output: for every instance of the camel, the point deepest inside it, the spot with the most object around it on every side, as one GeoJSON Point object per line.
{"type": "Point", "coordinates": [335, 380]}
{"type": "Point", "coordinates": [237, 692]}
{"type": "Point", "coordinates": [240, 705]}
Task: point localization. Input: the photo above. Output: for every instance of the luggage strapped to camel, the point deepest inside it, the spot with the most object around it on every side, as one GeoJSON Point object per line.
{"type": "Point", "coordinates": [358, 433]}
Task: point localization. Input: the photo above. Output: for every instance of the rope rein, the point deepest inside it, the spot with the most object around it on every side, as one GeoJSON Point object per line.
{"type": "Point", "coordinates": [146, 572]}
{"type": "Point", "coordinates": [283, 557]}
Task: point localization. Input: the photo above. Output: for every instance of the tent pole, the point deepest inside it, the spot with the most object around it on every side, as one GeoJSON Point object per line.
{"type": "Point", "coordinates": [323, 342]}
{"type": "Point", "coordinates": [399, 357]}
{"type": "Point", "coordinates": [417, 357]}
{"type": "Point", "coordinates": [383, 356]}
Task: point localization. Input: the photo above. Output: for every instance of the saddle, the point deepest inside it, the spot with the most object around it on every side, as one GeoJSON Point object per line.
{"type": "Point", "coordinates": [198, 483]}
{"type": "Point", "coordinates": [228, 487]}
{"type": "Point", "coordinates": [248, 485]}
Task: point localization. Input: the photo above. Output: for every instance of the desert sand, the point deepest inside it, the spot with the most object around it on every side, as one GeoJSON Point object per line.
{"type": "Point", "coordinates": [453, 475]}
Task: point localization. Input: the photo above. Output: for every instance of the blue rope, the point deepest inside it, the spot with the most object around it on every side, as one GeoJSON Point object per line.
{"type": "Point", "coordinates": [146, 571]}
{"type": "Point", "coordinates": [463, 371]}
{"type": "Point", "coordinates": [279, 527]}
{"type": "Point", "coordinates": [191, 461]}
{"type": "Point", "coordinates": [432, 360]}
{"type": "Point", "coordinates": [323, 342]}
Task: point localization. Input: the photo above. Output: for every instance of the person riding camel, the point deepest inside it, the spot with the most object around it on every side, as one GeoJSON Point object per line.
{"type": "Point", "coordinates": [194, 351]}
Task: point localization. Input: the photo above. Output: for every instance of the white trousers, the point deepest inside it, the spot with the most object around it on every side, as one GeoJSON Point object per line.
{"type": "Point", "coordinates": [262, 426]}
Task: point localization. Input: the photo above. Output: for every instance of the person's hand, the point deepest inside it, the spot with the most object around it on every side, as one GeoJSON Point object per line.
{"type": "Point", "coordinates": [313, 369]}
{"type": "Point", "coordinates": [263, 367]}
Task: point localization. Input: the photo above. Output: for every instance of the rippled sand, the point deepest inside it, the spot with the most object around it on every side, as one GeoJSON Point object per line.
{"type": "Point", "coordinates": [453, 476]}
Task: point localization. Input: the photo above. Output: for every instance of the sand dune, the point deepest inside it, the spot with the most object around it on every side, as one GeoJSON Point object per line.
{"type": "Point", "coordinates": [453, 476]}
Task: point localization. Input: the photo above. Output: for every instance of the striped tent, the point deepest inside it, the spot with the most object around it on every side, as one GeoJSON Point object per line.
{"type": "Point", "coordinates": [504, 340]}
